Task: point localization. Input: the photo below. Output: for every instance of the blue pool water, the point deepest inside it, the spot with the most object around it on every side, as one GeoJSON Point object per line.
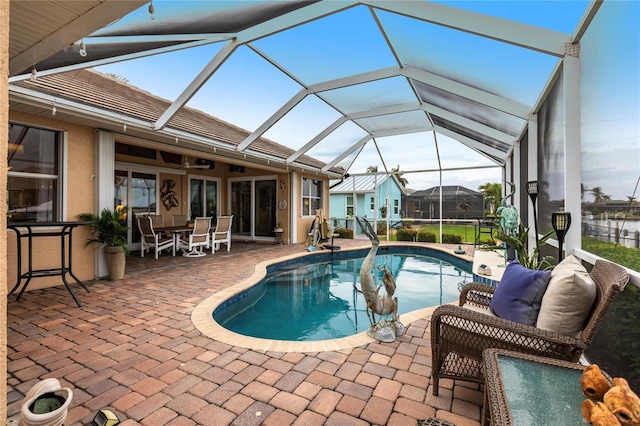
{"type": "Point", "coordinates": [304, 301]}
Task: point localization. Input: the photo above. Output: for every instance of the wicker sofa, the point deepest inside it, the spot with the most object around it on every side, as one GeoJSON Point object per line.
{"type": "Point", "coordinates": [459, 334]}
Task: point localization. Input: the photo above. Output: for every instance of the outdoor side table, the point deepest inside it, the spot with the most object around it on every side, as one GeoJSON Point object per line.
{"type": "Point", "coordinates": [278, 238]}
{"type": "Point", "coordinates": [62, 230]}
{"type": "Point", "coordinates": [523, 389]}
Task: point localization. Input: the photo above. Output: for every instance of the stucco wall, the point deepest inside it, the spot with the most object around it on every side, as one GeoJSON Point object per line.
{"type": "Point", "coordinates": [4, 130]}
{"type": "Point", "coordinates": [80, 199]}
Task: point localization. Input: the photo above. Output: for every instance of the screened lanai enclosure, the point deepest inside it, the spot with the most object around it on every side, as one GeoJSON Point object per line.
{"type": "Point", "coordinates": [449, 92]}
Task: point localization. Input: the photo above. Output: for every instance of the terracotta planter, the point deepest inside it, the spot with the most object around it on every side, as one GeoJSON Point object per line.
{"type": "Point", "coordinates": [45, 404]}
{"type": "Point", "coordinates": [116, 262]}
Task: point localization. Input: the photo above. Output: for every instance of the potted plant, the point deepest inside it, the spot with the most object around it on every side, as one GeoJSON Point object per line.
{"type": "Point", "coordinates": [278, 227]}
{"type": "Point", "coordinates": [519, 244]}
{"type": "Point", "coordinates": [109, 230]}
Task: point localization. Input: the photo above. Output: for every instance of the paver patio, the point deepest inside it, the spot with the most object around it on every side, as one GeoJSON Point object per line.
{"type": "Point", "coordinates": [133, 349]}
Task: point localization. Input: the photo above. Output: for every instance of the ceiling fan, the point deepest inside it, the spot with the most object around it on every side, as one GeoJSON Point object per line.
{"type": "Point", "coordinates": [199, 163]}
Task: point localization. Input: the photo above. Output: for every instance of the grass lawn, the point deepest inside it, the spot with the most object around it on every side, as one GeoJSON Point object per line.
{"type": "Point", "coordinates": [466, 231]}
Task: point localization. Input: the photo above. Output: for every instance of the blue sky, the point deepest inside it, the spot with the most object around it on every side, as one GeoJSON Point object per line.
{"type": "Point", "coordinates": [246, 90]}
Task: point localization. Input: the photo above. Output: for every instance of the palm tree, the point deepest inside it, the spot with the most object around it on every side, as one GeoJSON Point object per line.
{"type": "Point", "coordinates": [492, 195]}
{"type": "Point", "coordinates": [396, 171]}
{"type": "Point", "coordinates": [583, 189]}
{"type": "Point", "coordinates": [464, 206]}
{"type": "Point", "coordinates": [372, 169]}
{"type": "Point", "coordinates": [598, 195]}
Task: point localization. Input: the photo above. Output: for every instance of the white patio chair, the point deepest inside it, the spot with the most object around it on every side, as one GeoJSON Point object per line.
{"type": "Point", "coordinates": [222, 233]}
{"type": "Point", "coordinates": [178, 220]}
{"type": "Point", "coordinates": [198, 239]}
{"type": "Point", "coordinates": [157, 220]}
{"type": "Point", "coordinates": [149, 238]}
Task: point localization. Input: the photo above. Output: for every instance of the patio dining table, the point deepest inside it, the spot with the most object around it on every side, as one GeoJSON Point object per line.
{"type": "Point", "coordinates": [177, 232]}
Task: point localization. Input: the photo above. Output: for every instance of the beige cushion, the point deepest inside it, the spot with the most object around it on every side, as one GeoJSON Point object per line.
{"type": "Point", "coordinates": [479, 309]}
{"type": "Point", "coordinates": [568, 299]}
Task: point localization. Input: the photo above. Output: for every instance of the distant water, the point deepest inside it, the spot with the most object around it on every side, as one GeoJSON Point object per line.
{"type": "Point", "coordinates": [605, 228]}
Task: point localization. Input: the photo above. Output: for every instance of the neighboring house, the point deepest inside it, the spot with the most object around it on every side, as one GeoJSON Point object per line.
{"type": "Point", "coordinates": [82, 141]}
{"type": "Point", "coordinates": [369, 195]}
{"type": "Point", "coordinates": [458, 202]}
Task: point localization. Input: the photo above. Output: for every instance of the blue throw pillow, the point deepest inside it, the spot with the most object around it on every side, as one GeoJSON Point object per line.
{"type": "Point", "coordinates": [519, 293]}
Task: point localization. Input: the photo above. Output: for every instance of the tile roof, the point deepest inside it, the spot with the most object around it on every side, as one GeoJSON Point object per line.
{"type": "Point", "coordinates": [99, 90]}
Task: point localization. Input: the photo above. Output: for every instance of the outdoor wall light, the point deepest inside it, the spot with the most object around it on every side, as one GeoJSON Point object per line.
{"type": "Point", "coordinates": [532, 190]}
{"type": "Point", "coordinates": [83, 49]}
{"type": "Point", "coordinates": [151, 11]}
{"type": "Point", "coordinates": [561, 221]}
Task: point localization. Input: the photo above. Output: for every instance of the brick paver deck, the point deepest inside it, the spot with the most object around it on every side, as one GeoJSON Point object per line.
{"type": "Point", "coordinates": [132, 348]}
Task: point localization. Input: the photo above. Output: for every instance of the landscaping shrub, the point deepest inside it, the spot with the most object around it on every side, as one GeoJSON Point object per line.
{"type": "Point", "coordinates": [344, 233]}
{"type": "Point", "coordinates": [426, 237]}
{"type": "Point", "coordinates": [451, 239]}
{"type": "Point", "coordinates": [405, 235]}
{"type": "Point", "coordinates": [382, 228]}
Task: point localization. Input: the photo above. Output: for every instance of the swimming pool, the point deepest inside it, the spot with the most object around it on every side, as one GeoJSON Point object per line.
{"type": "Point", "coordinates": [312, 298]}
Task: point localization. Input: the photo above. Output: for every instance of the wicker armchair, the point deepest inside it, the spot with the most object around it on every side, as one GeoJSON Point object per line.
{"type": "Point", "coordinates": [460, 334]}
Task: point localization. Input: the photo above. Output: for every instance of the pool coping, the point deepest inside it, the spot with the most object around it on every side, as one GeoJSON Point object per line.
{"type": "Point", "coordinates": [202, 314]}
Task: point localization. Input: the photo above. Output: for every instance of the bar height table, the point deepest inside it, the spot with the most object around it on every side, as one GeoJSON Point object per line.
{"type": "Point", "coordinates": [62, 230]}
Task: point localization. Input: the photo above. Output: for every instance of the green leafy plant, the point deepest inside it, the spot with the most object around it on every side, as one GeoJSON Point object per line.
{"type": "Point", "coordinates": [519, 243]}
{"type": "Point", "coordinates": [451, 239]}
{"type": "Point", "coordinates": [109, 228]}
{"type": "Point", "coordinates": [344, 233]}
{"type": "Point", "coordinates": [425, 236]}
{"type": "Point", "coordinates": [405, 234]}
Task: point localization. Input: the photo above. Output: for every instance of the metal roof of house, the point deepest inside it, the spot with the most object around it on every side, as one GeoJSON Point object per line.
{"type": "Point", "coordinates": [359, 184]}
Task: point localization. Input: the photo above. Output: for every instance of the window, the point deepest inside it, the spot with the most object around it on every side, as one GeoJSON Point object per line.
{"type": "Point", "coordinates": [396, 206]}
{"type": "Point", "coordinates": [311, 196]}
{"type": "Point", "coordinates": [349, 205]}
{"type": "Point", "coordinates": [372, 206]}
{"type": "Point", "coordinates": [32, 176]}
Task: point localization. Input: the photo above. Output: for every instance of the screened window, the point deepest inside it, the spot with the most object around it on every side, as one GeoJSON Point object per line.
{"type": "Point", "coordinates": [311, 196]}
{"type": "Point", "coordinates": [349, 205]}
{"type": "Point", "coordinates": [33, 174]}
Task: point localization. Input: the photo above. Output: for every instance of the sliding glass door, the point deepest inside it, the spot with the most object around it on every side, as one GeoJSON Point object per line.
{"type": "Point", "coordinates": [265, 208]}
{"type": "Point", "coordinates": [253, 205]}
{"type": "Point", "coordinates": [203, 198]}
{"type": "Point", "coordinates": [137, 191]}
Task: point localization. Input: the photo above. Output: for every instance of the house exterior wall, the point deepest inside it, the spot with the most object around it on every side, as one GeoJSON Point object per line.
{"type": "Point", "coordinates": [4, 129]}
{"type": "Point", "coordinates": [81, 187]}
{"type": "Point", "coordinates": [389, 189]}
{"type": "Point", "coordinates": [363, 201]}
{"type": "Point", "coordinates": [337, 205]}
{"type": "Point", "coordinates": [79, 198]}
